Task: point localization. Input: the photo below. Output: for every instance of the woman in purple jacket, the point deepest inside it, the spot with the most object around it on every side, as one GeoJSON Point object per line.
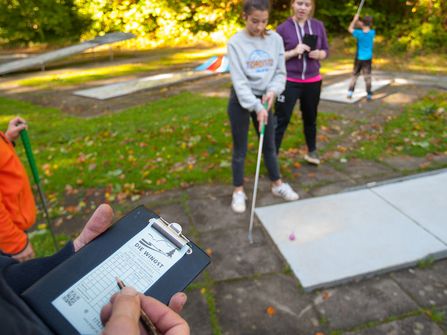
{"type": "Point", "coordinates": [305, 43]}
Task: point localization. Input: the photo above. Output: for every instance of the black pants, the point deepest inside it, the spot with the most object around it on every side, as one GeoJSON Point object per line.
{"type": "Point", "coordinates": [364, 67]}
{"type": "Point", "coordinates": [309, 95]}
{"type": "Point", "coordinates": [240, 121]}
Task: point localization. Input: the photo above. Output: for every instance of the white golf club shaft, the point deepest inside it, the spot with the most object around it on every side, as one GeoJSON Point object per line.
{"type": "Point", "coordinates": [255, 188]}
{"type": "Point", "coordinates": [360, 7]}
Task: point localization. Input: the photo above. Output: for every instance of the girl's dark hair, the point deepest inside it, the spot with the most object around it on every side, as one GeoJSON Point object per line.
{"type": "Point", "coordinates": [251, 5]}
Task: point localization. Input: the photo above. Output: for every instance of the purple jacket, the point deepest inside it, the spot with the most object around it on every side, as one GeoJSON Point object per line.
{"type": "Point", "coordinates": [305, 67]}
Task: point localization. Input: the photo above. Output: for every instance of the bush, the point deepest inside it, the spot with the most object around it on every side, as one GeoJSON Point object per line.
{"type": "Point", "coordinates": [39, 21]}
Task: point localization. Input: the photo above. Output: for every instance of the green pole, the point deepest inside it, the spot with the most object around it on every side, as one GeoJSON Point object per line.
{"type": "Point", "coordinates": [29, 154]}
{"type": "Point", "coordinates": [32, 163]}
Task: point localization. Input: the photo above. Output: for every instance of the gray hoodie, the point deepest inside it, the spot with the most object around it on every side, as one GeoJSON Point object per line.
{"type": "Point", "coordinates": [257, 65]}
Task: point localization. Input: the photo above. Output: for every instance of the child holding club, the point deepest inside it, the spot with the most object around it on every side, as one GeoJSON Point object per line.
{"type": "Point", "coordinates": [17, 205]}
{"type": "Point", "coordinates": [363, 58]}
{"type": "Point", "coordinates": [257, 71]}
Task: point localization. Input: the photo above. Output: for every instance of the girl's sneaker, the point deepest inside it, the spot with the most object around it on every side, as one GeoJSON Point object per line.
{"type": "Point", "coordinates": [285, 191]}
{"type": "Point", "coordinates": [238, 202]}
{"type": "Point", "coordinates": [312, 158]}
{"type": "Point", "coordinates": [349, 96]}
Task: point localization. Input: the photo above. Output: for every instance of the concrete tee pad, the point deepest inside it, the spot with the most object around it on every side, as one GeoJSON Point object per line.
{"type": "Point", "coordinates": [359, 233]}
{"type": "Point", "coordinates": [132, 86]}
{"type": "Point", "coordinates": [338, 92]}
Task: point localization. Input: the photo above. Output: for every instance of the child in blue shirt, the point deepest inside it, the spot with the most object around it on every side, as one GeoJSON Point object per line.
{"type": "Point", "coordinates": [363, 60]}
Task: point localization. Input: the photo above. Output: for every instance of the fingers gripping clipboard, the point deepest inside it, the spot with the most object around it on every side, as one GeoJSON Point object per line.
{"type": "Point", "coordinates": [142, 249]}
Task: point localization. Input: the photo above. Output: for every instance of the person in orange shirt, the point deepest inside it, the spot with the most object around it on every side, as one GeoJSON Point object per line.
{"type": "Point", "coordinates": [17, 205]}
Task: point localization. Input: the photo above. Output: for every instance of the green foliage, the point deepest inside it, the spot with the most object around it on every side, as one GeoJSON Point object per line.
{"type": "Point", "coordinates": [425, 27]}
{"type": "Point", "coordinates": [408, 25]}
{"type": "Point", "coordinates": [165, 21]}
{"type": "Point", "coordinates": [39, 20]}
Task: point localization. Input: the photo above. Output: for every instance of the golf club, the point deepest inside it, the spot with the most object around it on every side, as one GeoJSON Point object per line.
{"type": "Point", "coordinates": [360, 7]}
{"type": "Point", "coordinates": [29, 154]}
{"type": "Point", "coordinates": [255, 188]}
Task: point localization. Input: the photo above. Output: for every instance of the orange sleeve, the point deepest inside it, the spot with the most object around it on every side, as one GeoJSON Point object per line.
{"type": "Point", "coordinates": [12, 239]}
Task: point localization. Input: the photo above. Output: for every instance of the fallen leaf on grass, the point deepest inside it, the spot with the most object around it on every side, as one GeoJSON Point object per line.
{"type": "Point", "coordinates": [72, 209]}
{"type": "Point", "coordinates": [58, 222]}
{"type": "Point", "coordinates": [161, 181]}
{"type": "Point", "coordinates": [47, 169]}
{"type": "Point", "coordinates": [209, 251]}
{"type": "Point", "coordinates": [81, 158]}
{"type": "Point", "coordinates": [114, 173]}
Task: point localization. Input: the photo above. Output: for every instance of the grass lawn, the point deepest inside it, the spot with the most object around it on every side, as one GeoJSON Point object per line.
{"type": "Point", "coordinates": [420, 130]}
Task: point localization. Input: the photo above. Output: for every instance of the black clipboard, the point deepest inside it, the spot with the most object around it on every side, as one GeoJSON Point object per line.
{"type": "Point", "coordinates": [310, 40]}
{"type": "Point", "coordinates": [41, 295]}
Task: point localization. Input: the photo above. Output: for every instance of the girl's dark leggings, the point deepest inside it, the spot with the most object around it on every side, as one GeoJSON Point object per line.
{"type": "Point", "coordinates": [240, 121]}
{"type": "Point", "coordinates": [309, 95]}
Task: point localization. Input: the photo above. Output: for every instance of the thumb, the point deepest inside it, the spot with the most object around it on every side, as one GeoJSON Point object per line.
{"type": "Point", "coordinates": [98, 223]}
{"type": "Point", "coordinates": [125, 313]}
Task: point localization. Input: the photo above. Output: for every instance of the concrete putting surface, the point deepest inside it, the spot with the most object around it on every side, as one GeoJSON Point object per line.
{"type": "Point", "coordinates": [338, 92]}
{"type": "Point", "coordinates": [333, 239]}
{"type": "Point", "coordinates": [132, 86]}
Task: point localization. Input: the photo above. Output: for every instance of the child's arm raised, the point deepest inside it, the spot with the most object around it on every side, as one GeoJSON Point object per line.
{"type": "Point", "coordinates": [352, 24]}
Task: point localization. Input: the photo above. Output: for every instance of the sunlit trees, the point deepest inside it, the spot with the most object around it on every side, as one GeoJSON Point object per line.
{"type": "Point", "coordinates": [40, 20]}
{"type": "Point", "coordinates": [406, 24]}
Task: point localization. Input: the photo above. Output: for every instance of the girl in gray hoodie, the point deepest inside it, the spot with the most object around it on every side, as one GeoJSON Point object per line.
{"type": "Point", "coordinates": [258, 74]}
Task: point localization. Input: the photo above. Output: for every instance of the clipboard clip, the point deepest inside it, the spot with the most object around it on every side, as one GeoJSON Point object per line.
{"type": "Point", "coordinates": [172, 231]}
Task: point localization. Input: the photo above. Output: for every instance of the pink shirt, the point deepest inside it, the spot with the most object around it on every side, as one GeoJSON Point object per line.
{"type": "Point", "coordinates": [308, 80]}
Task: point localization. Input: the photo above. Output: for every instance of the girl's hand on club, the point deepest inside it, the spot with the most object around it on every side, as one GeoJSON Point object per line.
{"type": "Point", "coordinates": [269, 97]}
{"type": "Point", "coordinates": [262, 118]}
{"type": "Point", "coordinates": [15, 126]}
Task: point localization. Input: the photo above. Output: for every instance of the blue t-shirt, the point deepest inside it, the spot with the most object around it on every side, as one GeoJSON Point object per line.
{"type": "Point", "coordinates": [365, 42]}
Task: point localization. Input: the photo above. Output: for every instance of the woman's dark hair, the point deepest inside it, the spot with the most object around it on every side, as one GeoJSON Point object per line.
{"type": "Point", "coordinates": [251, 5]}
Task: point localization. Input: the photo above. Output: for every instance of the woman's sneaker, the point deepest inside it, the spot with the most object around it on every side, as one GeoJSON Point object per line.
{"type": "Point", "coordinates": [285, 191]}
{"type": "Point", "coordinates": [238, 202]}
{"type": "Point", "coordinates": [312, 158]}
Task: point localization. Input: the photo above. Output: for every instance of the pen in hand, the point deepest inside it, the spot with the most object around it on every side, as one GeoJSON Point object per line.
{"type": "Point", "coordinates": [148, 325]}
